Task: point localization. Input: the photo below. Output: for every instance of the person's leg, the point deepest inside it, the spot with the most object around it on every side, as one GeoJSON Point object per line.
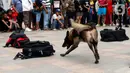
{"type": "Point", "coordinates": [26, 20]}
{"type": "Point", "coordinates": [38, 17]}
{"type": "Point", "coordinates": [111, 23]}
{"type": "Point", "coordinates": [30, 19]}
{"type": "Point", "coordinates": [99, 16]}
{"type": "Point", "coordinates": [54, 24]}
{"type": "Point", "coordinates": [84, 17]}
{"type": "Point", "coordinates": [104, 16]}
{"type": "Point", "coordinates": [62, 22]}
{"type": "Point", "coordinates": [20, 19]}
{"type": "Point", "coordinates": [49, 17]}
{"type": "Point", "coordinates": [80, 17]}
{"type": "Point", "coordinates": [77, 17]}
{"type": "Point", "coordinates": [46, 18]}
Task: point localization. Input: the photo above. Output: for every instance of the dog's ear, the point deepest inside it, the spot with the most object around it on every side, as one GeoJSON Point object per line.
{"type": "Point", "coordinates": [67, 33]}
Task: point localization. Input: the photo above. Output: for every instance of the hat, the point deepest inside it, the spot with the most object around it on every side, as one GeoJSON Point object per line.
{"type": "Point", "coordinates": [91, 3]}
{"type": "Point", "coordinates": [57, 10]}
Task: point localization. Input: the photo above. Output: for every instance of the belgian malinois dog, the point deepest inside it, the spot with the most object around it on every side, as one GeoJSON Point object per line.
{"type": "Point", "coordinates": [84, 33]}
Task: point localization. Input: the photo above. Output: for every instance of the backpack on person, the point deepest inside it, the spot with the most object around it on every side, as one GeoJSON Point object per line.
{"type": "Point", "coordinates": [36, 49]}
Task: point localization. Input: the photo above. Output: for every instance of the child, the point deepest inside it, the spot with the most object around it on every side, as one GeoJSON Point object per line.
{"type": "Point", "coordinates": [12, 16]}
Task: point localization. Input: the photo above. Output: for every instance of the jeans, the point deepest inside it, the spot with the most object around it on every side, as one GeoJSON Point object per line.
{"type": "Point", "coordinates": [56, 24]}
{"type": "Point", "coordinates": [46, 18]}
{"type": "Point", "coordinates": [38, 16]}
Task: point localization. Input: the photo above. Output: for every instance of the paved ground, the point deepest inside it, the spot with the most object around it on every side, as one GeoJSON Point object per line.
{"type": "Point", "coordinates": [115, 56]}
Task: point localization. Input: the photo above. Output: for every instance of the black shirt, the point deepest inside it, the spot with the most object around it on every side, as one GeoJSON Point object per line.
{"type": "Point", "coordinates": [77, 4]}
{"type": "Point", "coordinates": [85, 4]}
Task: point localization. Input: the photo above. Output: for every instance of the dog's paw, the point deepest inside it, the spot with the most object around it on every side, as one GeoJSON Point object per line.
{"type": "Point", "coordinates": [96, 62]}
{"type": "Point", "coordinates": [62, 55]}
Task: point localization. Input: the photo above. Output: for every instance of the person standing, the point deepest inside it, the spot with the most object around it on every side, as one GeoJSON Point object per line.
{"type": "Point", "coordinates": [17, 5]}
{"type": "Point", "coordinates": [46, 4]}
{"type": "Point", "coordinates": [79, 10]}
{"type": "Point", "coordinates": [27, 9]}
{"type": "Point", "coordinates": [85, 17]}
{"type": "Point", "coordinates": [102, 11]}
{"type": "Point", "coordinates": [37, 12]}
{"type": "Point", "coordinates": [69, 11]}
{"type": "Point", "coordinates": [109, 13]}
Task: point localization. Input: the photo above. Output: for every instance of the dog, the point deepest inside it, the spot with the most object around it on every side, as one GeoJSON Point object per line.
{"type": "Point", "coordinates": [84, 33]}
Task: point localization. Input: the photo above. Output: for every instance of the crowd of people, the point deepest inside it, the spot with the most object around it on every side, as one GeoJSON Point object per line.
{"type": "Point", "coordinates": [55, 14]}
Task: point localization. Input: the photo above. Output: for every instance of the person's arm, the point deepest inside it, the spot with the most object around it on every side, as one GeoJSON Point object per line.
{"type": "Point", "coordinates": [13, 5]}
{"type": "Point", "coordinates": [5, 23]}
{"type": "Point", "coordinates": [44, 7]}
{"type": "Point", "coordinates": [62, 25]}
{"type": "Point", "coordinates": [62, 17]}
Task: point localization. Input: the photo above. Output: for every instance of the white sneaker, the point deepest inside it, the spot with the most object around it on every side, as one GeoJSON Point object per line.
{"type": "Point", "coordinates": [28, 29]}
{"type": "Point", "coordinates": [104, 24]}
{"type": "Point", "coordinates": [54, 29]}
{"type": "Point", "coordinates": [98, 25]}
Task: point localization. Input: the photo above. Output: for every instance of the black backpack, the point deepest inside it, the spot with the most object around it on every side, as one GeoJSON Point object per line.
{"type": "Point", "coordinates": [36, 49]}
{"type": "Point", "coordinates": [17, 39]}
{"type": "Point", "coordinates": [109, 35]}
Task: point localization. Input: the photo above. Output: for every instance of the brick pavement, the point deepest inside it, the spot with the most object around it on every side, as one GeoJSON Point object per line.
{"type": "Point", "coordinates": [115, 56]}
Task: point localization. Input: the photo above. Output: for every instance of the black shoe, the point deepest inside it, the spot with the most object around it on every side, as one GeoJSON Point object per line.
{"type": "Point", "coordinates": [126, 26]}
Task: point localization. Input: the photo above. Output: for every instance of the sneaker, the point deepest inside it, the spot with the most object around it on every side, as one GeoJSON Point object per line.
{"type": "Point", "coordinates": [98, 25]}
{"type": "Point", "coordinates": [126, 26]}
{"type": "Point", "coordinates": [38, 30]}
{"type": "Point", "coordinates": [104, 24]}
{"type": "Point", "coordinates": [54, 29]}
{"type": "Point", "coordinates": [28, 29]}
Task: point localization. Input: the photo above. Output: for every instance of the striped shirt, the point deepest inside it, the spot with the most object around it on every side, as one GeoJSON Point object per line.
{"type": "Point", "coordinates": [46, 3]}
{"type": "Point", "coordinates": [1, 3]}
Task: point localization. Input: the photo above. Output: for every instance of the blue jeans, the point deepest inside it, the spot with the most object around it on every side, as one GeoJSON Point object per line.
{"type": "Point", "coordinates": [38, 16]}
{"type": "Point", "coordinates": [46, 18]}
{"type": "Point", "coordinates": [56, 24]}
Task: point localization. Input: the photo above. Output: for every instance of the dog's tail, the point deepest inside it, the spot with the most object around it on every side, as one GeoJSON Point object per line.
{"type": "Point", "coordinates": [79, 27]}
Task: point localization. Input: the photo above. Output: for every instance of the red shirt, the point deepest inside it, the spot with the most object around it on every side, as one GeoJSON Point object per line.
{"type": "Point", "coordinates": [14, 16]}
{"type": "Point", "coordinates": [102, 2]}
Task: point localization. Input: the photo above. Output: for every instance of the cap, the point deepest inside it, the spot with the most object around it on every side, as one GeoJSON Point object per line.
{"type": "Point", "coordinates": [57, 10]}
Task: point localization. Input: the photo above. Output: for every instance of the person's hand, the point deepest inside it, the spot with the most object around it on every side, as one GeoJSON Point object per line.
{"type": "Point", "coordinates": [37, 8]}
{"type": "Point", "coordinates": [46, 11]}
{"type": "Point", "coordinates": [9, 27]}
{"type": "Point", "coordinates": [92, 12]}
{"type": "Point", "coordinates": [62, 25]}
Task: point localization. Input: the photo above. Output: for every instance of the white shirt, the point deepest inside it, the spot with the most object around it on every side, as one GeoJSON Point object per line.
{"type": "Point", "coordinates": [27, 5]}
{"type": "Point", "coordinates": [96, 6]}
{"type": "Point", "coordinates": [55, 17]}
{"type": "Point", "coordinates": [57, 4]}
{"type": "Point", "coordinates": [116, 9]}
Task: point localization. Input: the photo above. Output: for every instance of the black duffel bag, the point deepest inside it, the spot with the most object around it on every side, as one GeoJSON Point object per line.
{"type": "Point", "coordinates": [108, 35]}
{"type": "Point", "coordinates": [36, 49]}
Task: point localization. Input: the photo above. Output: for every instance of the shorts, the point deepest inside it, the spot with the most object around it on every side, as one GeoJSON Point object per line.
{"type": "Point", "coordinates": [79, 14]}
{"type": "Point", "coordinates": [38, 16]}
{"type": "Point", "coordinates": [27, 17]}
{"type": "Point", "coordinates": [102, 11]}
